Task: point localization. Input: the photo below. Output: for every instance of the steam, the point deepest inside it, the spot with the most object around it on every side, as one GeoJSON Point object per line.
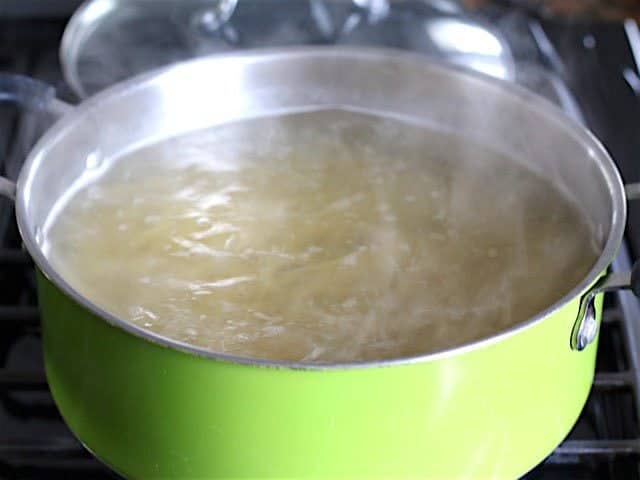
{"type": "Point", "coordinates": [107, 45]}
{"type": "Point", "coordinates": [326, 236]}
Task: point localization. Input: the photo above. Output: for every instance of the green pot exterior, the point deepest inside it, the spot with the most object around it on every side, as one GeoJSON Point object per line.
{"type": "Point", "coordinates": [152, 412]}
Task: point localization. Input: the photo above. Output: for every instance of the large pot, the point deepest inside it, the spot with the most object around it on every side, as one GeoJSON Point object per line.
{"type": "Point", "coordinates": [151, 407]}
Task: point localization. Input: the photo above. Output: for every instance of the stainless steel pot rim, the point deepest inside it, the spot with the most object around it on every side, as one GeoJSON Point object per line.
{"type": "Point", "coordinates": [533, 101]}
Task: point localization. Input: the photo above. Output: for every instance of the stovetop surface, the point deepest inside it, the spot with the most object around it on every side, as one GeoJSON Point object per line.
{"type": "Point", "coordinates": [593, 60]}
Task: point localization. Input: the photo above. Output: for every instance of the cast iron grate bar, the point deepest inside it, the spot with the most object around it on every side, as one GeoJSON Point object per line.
{"type": "Point", "coordinates": [613, 315]}
{"type": "Point", "coordinates": [66, 447]}
{"type": "Point", "coordinates": [19, 316]}
{"type": "Point", "coordinates": [613, 380]}
{"type": "Point", "coordinates": [599, 447]}
{"type": "Point", "coordinates": [22, 381]}
{"type": "Point", "coordinates": [10, 257]}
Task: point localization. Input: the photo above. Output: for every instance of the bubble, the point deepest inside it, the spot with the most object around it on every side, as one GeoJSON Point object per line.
{"type": "Point", "coordinates": [366, 240]}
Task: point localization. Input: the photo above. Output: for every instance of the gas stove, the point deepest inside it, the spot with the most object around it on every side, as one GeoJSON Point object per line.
{"type": "Point", "coordinates": [589, 69]}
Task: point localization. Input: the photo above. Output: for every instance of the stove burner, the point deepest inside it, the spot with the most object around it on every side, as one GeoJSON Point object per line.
{"type": "Point", "coordinates": [604, 444]}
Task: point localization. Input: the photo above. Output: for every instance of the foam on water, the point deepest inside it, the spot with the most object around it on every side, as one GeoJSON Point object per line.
{"type": "Point", "coordinates": [325, 236]}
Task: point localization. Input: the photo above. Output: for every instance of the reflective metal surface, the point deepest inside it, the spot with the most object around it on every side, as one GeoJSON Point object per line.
{"type": "Point", "coordinates": [109, 40]}
{"type": "Point", "coordinates": [179, 99]}
{"type": "Point", "coordinates": [586, 327]}
{"type": "Point", "coordinates": [633, 191]}
{"type": "Point", "coordinates": [7, 188]}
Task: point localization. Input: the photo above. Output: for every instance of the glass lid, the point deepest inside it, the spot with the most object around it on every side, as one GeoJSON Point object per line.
{"type": "Point", "coordinates": [107, 41]}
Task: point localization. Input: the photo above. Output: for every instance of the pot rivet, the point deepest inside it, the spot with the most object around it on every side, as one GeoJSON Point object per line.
{"type": "Point", "coordinates": [588, 327]}
{"type": "Point", "coordinates": [93, 161]}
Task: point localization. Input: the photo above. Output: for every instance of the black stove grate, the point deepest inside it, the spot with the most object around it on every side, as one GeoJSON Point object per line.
{"type": "Point", "coordinates": [35, 443]}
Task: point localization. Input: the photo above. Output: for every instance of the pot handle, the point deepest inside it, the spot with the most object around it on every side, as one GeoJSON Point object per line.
{"type": "Point", "coordinates": [7, 188]}
{"type": "Point", "coordinates": [35, 108]}
{"type": "Point", "coordinates": [586, 326]}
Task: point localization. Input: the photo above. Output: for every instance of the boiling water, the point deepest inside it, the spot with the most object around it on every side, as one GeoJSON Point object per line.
{"type": "Point", "coordinates": [321, 237]}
